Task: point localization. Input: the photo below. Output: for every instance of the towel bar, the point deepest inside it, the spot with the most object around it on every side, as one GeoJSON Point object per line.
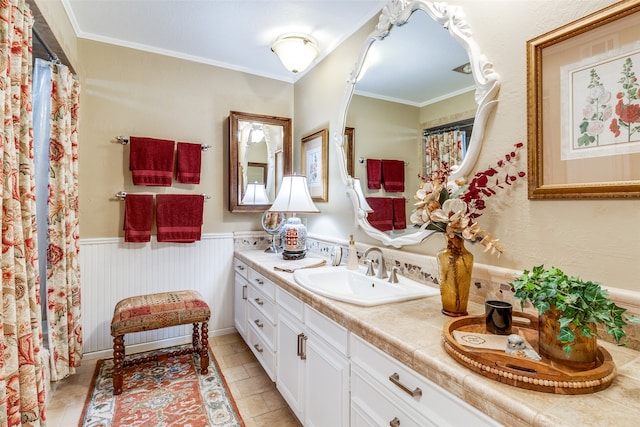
{"type": "Point", "coordinates": [121, 195]}
{"type": "Point", "coordinates": [124, 140]}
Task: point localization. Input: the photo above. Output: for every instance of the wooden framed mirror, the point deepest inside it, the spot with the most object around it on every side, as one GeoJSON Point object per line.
{"type": "Point", "coordinates": [259, 155]}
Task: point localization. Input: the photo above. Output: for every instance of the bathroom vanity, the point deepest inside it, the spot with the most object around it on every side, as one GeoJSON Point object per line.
{"type": "Point", "coordinates": [385, 365]}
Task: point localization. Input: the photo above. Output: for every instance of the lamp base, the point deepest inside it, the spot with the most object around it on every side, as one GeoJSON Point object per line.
{"type": "Point", "coordinates": [293, 255]}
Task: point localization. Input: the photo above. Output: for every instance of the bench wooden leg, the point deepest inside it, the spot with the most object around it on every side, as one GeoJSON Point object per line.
{"type": "Point", "coordinates": [204, 349]}
{"type": "Point", "coordinates": [196, 336]}
{"type": "Point", "coordinates": [118, 363]}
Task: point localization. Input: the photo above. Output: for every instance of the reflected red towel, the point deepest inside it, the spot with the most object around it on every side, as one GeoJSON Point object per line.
{"type": "Point", "coordinates": [393, 175]}
{"type": "Point", "coordinates": [179, 217]}
{"type": "Point", "coordinates": [374, 174]}
{"type": "Point", "coordinates": [399, 213]}
{"type": "Point", "coordinates": [382, 215]}
{"type": "Point", "coordinates": [189, 159]}
{"type": "Point", "coordinates": [138, 217]}
{"type": "Point", "coordinates": [151, 161]}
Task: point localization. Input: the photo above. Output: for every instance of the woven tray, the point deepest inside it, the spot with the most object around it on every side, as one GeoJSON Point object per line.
{"type": "Point", "coordinates": [545, 375]}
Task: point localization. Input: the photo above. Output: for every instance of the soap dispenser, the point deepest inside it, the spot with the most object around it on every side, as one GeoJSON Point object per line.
{"type": "Point", "coordinates": [352, 255]}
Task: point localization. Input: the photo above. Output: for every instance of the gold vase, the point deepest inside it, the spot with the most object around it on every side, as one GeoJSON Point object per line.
{"type": "Point", "coordinates": [584, 350]}
{"type": "Point", "coordinates": [455, 264]}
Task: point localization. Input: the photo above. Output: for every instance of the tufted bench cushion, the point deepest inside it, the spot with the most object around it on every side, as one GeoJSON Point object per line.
{"type": "Point", "coordinates": [154, 311]}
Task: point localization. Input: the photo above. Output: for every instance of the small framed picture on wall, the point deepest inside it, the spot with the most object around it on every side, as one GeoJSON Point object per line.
{"type": "Point", "coordinates": [314, 164]}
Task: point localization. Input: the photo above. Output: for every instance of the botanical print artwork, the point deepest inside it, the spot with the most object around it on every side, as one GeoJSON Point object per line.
{"type": "Point", "coordinates": [604, 107]}
{"type": "Point", "coordinates": [314, 168]}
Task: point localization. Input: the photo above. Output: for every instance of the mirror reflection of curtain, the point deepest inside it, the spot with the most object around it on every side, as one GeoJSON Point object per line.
{"type": "Point", "coordinates": [449, 147]}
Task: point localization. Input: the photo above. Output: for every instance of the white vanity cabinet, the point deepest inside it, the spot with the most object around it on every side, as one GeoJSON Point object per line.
{"type": "Point", "coordinates": [240, 297]}
{"type": "Point", "coordinates": [386, 392]}
{"type": "Point", "coordinates": [313, 365]}
{"type": "Point", "coordinates": [261, 320]}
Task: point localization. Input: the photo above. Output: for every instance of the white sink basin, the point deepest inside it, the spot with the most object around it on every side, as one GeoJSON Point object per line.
{"type": "Point", "coordinates": [356, 288]}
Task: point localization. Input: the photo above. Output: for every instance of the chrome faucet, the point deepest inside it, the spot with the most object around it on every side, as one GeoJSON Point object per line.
{"type": "Point", "coordinates": [382, 269]}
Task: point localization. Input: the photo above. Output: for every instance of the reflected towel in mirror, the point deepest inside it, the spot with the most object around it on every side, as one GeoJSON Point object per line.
{"type": "Point", "coordinates": [393, 175]}
{"type": "Point", "coordinates": [382, 215]}
{"type": "Point", "coordinates": [374, 174]}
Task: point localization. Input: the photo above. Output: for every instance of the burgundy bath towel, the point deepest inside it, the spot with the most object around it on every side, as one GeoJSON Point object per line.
{"type": "Point", "coordinates": [399, 213]}
{"type": "Point", "coordinates": [393, 175]}
{"type": "Point", "coordinates": [382, 215]}
{"type": "Point", "coordinates": [189, 159]}
{"type": "Point", "coordinates": [151, 161]}
{"type": "Point", "coordinates": [138, 217]}
{"type": "Point", "coordinates": [179, 217]}
{"type": "Point", "coordinates": [374, 174]}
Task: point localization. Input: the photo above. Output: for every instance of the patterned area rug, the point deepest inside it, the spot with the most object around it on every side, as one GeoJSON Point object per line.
{"type": "Point", "coordinates": [169, 392]}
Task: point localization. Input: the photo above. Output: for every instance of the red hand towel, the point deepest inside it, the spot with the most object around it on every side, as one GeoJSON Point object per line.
{"type": "Point", "coordinates": [374, 174]}
{"type": "Point", "coordinates": [393, 175]}
{"type": "Point", "coordinates": [189, 159]}
{"type": "Point", "coordinates": [399, 213]}
{"type": "Point", "coordinates": [382, 215]}
{"type": "Point", "coordinates": [179, 217]}
{"type": "Point", "coordinates": [138, 217]}
{"type": "Point", "coordinates": [151, 161]}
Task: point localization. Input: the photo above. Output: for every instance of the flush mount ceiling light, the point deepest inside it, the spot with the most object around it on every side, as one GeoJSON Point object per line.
{"type": "Point", "coordinates": [296, 51]}
{"type": "Point", "coordinates": [464, 68]}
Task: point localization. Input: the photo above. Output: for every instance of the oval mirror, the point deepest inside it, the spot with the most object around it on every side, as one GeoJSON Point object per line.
{"type": "Point", "coordinates": [259, 155]}
{"type": "Point", "coordinates": [419, 69]}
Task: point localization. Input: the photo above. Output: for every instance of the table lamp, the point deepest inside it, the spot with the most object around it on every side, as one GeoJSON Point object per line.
{"type": "Point", "coordinates": [294, 198]}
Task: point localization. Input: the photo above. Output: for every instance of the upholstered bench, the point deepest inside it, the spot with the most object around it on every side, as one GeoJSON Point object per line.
{"type": "Point", "coordinates": [155, 311]}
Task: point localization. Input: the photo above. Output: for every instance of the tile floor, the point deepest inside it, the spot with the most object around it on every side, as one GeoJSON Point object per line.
{"type": "Point", "coordinates": [258, 401]}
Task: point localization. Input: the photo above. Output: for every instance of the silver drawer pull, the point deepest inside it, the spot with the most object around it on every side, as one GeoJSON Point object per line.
{"type": "Point", "coordinates": [257, 347]}
{"type": "Point", "coordinates": [244, 292]}
{"type": "Point", "coordinates": [260, 281]}
{"type": "Point", "coordinates": [258, 301]}
{"type": "Point", "coordinates": [395, 378]}
{"type": "Point", "coordinates": [395, 422]}
{"type": "Point", "coordinates": [259, 323]}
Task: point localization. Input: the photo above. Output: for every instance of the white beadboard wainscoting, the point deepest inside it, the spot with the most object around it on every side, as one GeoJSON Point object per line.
{"type": "Point", "coordinates": [112, 270]}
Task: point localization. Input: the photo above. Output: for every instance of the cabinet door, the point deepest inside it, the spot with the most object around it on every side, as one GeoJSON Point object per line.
{"type": "Point", "coordinates": [240, 305]}
{"type": "Point", "coordinates": [326, 385]}
{"type": "Point", "coordinates": [289, 377]}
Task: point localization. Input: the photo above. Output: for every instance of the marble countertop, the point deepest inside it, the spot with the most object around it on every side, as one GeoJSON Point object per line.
{"type": "Point", "coordinates": [411, 332]}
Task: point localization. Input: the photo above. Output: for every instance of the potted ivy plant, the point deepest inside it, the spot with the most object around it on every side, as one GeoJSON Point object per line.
{"type": "Point", "coordinates": [570, 309]}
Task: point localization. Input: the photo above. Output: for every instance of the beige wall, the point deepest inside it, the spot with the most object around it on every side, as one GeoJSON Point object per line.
{"type": "Point", "coordinates": [595, 239]}
{"type": "Point", "coordinates": [129, 92]}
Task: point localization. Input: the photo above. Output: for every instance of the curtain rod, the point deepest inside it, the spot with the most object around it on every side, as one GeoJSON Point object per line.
{"type": "Point", "coordinates": [52, 56]}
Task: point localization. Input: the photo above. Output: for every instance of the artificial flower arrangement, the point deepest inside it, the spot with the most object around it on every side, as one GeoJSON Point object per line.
{"type": "Point", "coordinates": [453, 208]}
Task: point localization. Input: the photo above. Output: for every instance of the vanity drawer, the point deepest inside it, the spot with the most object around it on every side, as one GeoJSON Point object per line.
{"type": "Point", "coordinates": [415, 391]}
{"type": "Point", "coordinates": [266, 286]}
{"type": "Point", "coordinates": [262, 303]}
{"type": "Point", "coordinates": [263, 353]}
{"type": "Point", "coordinates": [330, 331]}
{"type": "Point", "coordinates": [371, 405]}
{"type": "Point", "coordinates": [263, 325]}
{"type": "Point", "coordinates": [293, 305]}
{"type": "Point", "coordinates": [240, 267]}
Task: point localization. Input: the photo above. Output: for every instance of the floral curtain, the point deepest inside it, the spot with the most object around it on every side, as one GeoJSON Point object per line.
{"type": "Point", "coordinates": [21, 369]}
{"type": "Point", "coordinates": [443, 147]}
{"type": "Point", "coordinates": [63, 264]}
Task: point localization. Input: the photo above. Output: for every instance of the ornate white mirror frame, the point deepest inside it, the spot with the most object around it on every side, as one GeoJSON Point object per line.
{"type": "Point", "coordinates": [395, 14]}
